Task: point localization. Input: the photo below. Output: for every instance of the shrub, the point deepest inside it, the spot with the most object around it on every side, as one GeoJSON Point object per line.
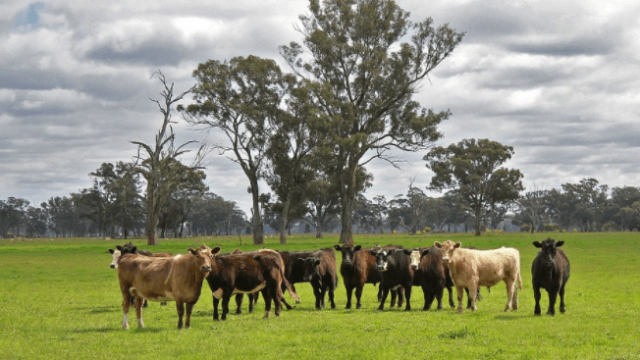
{"type": "Point", "coordinates": [525, 228]}
{"type": "Point", "coordinates": [551, 227]}
{"type": "Point", "coordinates": [487, 231]}
{"type": "Point", "coordinates": [497, 231]}
{"type": "Point", "coordinates": [426, 230]}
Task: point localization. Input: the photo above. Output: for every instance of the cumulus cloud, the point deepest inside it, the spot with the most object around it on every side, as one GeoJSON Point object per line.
{"type": "Point", "coordinates": [557, 80]}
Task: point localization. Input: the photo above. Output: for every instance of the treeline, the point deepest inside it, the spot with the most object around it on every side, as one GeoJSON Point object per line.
{"type": "Point", "coordinates": [115, 206]}
{"type": "Point", "coordinates": [584, 206]}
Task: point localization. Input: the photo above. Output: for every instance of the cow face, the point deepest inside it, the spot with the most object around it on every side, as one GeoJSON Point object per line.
{"type": "Point", "coordinates": [548, 250]}
{"type": "Point", "coordinates": [382, 258]}
{"type": "Point", "coordinates": [119, 252]}
{"type": "Point", "coordinates": [204, 257]}
{"type": "Point", "coordinates": [448, 247]}
{"type": "Point", "coordinates": [415, 259]}
{"type": "Point", "coordinates": [115, 256]}
{"type": "Point", "coordinates": [347, 252]}
{"type": "Point", "coordinates": [311, 267]}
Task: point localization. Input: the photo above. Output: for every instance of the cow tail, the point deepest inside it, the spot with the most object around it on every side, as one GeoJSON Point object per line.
{"type": "Point", "coordinates": [519, 280]}
{"type": "Point", "coordinates": [290, 289]}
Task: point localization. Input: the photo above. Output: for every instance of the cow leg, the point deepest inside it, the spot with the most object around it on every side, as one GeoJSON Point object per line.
{"type": "Point", "coordinates": [317, 294]}
{"type": "Point", "coordinates": [226, 298]}
{"type": "Point", "coordinates": [126, 304]}
{"type": "Point", "coordinates": [180, 308]}
{"type": "Point", "coordinates": [466, 290]}
{"type": "Point", "coordinates": [460, 291]}
{"type": "Point", "coordinates": [239, 298]}
{"type": "Point", "coordinates": [215, 308]}
{"type": "Point", "coordinates": [385, 293]}
{"type": "Point", "coordinates": [562, 309]}
{"type": "Point", "coordinates": [400, 297]}
{"type": "Point", "coordinates": [553, 295]}
{"type": "Point", "coordinates": [359, 295]}
{"type": "Point", "coordinates": [537, 296]}
{"type": "Point", "coordinates": [394, 294]}
{"type": "Point", "coordinates": [139, 302]}
{"type": "Point", "coordinates": [407, 295]}
{"type": "Point", "coordinates": [515, 297]}
{"type": "Point", "coordinates": [511, 286]}
{"type": "Point", "coordinates": [349, 293]}
{"type": "Point", "coordinates": [439, 293]}
{"type": "Point", "coordinates": [277, 300]}
{"type": "Point", "coordinates": [189, 309]}
{"type": "Point", "coordinates": [427, 304]}
{"type": "Point", "coordinates": [380, 293]}
{"type": "Point", "coordinates": [267, 302]}
{"type": "Point", "coordinates": [450, 291]}
{"type": "Point", "coordinates": [252, 298]}
{"type": "Point", "coordinates": [331, 295]}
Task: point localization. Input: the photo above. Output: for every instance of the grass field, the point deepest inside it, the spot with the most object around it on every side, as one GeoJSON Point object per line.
{"type": "Point", "coordinates": [60, 300]}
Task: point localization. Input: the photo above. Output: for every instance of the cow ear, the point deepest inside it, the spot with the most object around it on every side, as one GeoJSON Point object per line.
{"type": "Point", "coordinates": [317, 262]}
{"type": "Point", "coordinates": [559, 243]}
{"type": "Point", "coordinates": [357, 248]}
{"type": "Point", "coordinates": [537, 244]}
{"type": "Point", "coordinates": [424, 252]}
{"type": "Point", "coordinates": [300, 260]}
{"type": "Point", "coordinates": [373, 253]}
{"type": "Point", "coordinates": [457, 245]}
{"type": "Point", "coordinates": [338, 247]}
{"type": "Point", "coordinates": [118, 247]}
{"type": "Point", "coordinates": [111, 251]}
{"type": "Point", "coordinates": [437, 244]}
{"type": "Point", "coordinates": [216, 250]}
{"type": "Point", "coordinates": [134, 249]}
{"type": "Point", "coordinates": [191, 251]}
{"type": "Point", "coordinates": [407, 251]}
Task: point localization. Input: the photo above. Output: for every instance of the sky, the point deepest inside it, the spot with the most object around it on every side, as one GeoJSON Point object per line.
{"type": "Point", "coordinates": [557, 80]}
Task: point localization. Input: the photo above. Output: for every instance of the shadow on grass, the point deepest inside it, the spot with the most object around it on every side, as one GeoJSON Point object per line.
{"type": "Point", "coordinates": [105, 309]}
{"type": "Point", "coordinates": [512, 316]}
{"type": "Point", "coordinates": [102, 329]}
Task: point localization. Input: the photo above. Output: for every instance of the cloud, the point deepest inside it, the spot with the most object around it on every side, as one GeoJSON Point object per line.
{"type": "Point", "coordinates": [557, 80]}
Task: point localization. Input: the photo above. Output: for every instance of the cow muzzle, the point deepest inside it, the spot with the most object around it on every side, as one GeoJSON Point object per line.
{"type": "Point", "coordinates": [113, 266]}
{"type": "Point", "coordinates": [205, 268]}
{"type": "Point", "coordinates": [346, 262]}
{"type": "Point", "coordinates": [414, 267]}
{"type": "Point", "coordinates": [445, 260]}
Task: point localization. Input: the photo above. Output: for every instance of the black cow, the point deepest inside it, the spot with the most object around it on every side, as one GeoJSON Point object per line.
{"type": "Point", "coordinates": [320, 270]}
{"type": "Point", "coordinates": [394, 265]}
{"type": "Point", "coordinates": [550, 271]}
{"type": "Point", "coordinates": [294, 269]}
{"type": "Point", "coordinates": [431, 277]}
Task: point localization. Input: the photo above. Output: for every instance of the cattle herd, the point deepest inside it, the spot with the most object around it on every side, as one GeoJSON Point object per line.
{"type": "Point", "coordinates": [164, 277]}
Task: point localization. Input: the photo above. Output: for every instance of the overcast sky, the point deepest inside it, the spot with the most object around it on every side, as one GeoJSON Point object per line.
{"type": "Point", "coordinates": [557, 80]}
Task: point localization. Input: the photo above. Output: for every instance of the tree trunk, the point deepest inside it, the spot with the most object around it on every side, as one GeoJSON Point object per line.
{"type": "Point", "coordinates": [258, 230]}
{"type": "Point", "coordinates": [318, 222]}
{"type": "Point", "coordinates": [152, 219]}
{"type": "Point", "coordinates": [284, 223]}
{"type": "Point", "coordinates": [347, 194]}
{"type": "Point", "coordinates": [478, 215]}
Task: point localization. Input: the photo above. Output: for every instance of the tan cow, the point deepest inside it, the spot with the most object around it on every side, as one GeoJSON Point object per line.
{"type": "Point", "coordinates": [177, 278]}
{"type": "Point", "coordinates": [473, 268]}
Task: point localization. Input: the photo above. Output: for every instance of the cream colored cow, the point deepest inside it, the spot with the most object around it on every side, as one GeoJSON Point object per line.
{"type": "Point", "coordinates": [473, 268]}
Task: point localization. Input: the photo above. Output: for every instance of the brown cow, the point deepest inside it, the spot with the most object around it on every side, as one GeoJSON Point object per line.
{"type": "Point", "coordinates": [261, 270]}
{"type": "Point", "coordinates": [320, 270]}
{"type": "Point", "coordinates": [161, 279]}
{"type": "Point", "coordinates": [474, 268]}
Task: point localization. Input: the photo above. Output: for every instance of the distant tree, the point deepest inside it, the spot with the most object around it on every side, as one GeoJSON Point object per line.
{"type": "Point", "coordinates": [533, 206]}
{"type": "Point", "coordinates": [61, 217]}
{"type": "Point", "coordinates": [590, 201]}
{"type": "Point", "coordinates": [12, 215]}
{"type": "Point", "coordinates": [241, 98]}
{"type": "Point", "coordinates": [157, 159]}
{"type": "Point", "coordinates": [36, 222]}
{"type": "Point", "coordinates": [471, 168]}
{"type": "Point", "coordinates": [322, 202]}
{"type": "Point", "coordinates": [364, 82]}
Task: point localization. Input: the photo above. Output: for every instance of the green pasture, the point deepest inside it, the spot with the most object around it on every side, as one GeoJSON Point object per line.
{"type": "Point", "coordinates": [60, 300]}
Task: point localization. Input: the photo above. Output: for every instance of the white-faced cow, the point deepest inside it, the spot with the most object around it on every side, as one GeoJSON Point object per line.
{"type": "Point", "coordinates": [550, 270]}
{"type": "Point", "coordinates": [473, 268]}
{"type": "Point", "coordinates": [176, 279]}
{"type": "Point", "coordinates": [395, 267]}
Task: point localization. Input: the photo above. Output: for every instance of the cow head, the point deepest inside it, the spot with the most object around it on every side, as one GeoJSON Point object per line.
{"type": "Point", "coordinates": [424, 253]}
{"type": "Point", "coordinates": [384, 255]}
{"type": "Point", "coordinates": [204, 257]}
{"type": "Point", "coordinates": [548, 250]}
{"type": "Point", "coordinates": [119, 252]}
{"type": "Point", "coordinates": [415, 259]}
{"type": "Point", "coordinates": [311, 267]}
{"type": "Point", "coordinates": [347, 252]}
{"type": "Point", "coordinates": [447, 247]}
